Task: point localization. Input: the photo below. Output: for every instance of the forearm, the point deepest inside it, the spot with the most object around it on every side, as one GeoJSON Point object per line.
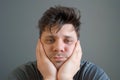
{"type": "Point", "coordinates": [50, 79]}
{"type": "Point", "coordinates": [65, 79]}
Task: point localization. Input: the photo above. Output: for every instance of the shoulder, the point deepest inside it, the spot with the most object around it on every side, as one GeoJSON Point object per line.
{"type": "Point", "coordinates": [27, 71]}
{"type": "Point", "coordinates": [90, 71]}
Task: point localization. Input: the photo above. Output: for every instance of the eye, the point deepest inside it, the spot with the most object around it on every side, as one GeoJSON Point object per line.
{"type": "Point", "coordinates": [49, 41]}
{"type": "Point", "coordinates": [68, 41]}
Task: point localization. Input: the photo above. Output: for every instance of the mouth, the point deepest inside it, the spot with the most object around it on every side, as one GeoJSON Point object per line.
{"type": "Point", "coordinates": [59, 59]}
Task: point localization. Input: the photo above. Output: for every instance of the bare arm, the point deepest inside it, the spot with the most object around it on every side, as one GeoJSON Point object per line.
{"type": "Point", "coordinates": [44, 65]}
{"type": "Point", "coordinates": [72, 65]}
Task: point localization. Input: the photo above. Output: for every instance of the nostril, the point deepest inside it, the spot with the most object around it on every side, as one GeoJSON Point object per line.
{"type": "Point", "coordinates": [56, 49]}
{"type": "Point", "coordinates": [59, 46]}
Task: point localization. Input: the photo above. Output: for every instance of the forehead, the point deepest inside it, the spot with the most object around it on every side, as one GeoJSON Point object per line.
{"type": "Point", "coordinates": [66, 30]}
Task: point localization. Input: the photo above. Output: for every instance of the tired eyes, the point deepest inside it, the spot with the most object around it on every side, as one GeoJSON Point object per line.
{"type": "Point", "coordinates": [52, 40]}
{"type": "Point", "coordinates": [68, 41]}
{"type": "Point", "coordinates": [49, 41]}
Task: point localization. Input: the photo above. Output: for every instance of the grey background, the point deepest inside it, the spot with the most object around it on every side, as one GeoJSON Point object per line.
{"type": "Point", "coordinates": [100, 35]}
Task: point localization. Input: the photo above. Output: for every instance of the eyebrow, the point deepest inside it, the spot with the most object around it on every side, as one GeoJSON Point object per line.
{"type": "Point", "coordinates": [68, 36]}
{"type": "Point", "coordinates": [51, 36]}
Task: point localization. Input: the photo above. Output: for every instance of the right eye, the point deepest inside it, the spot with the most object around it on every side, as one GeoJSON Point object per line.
{"type": "Point", "coordinates": [49, 41]}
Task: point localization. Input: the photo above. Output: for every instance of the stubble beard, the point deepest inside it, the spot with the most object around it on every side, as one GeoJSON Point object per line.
{"type": "Point", "coordinates": [58, 64]}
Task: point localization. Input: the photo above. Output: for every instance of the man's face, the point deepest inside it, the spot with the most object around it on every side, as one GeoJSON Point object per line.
{"type": "Point", "coordinates": [59, 45]}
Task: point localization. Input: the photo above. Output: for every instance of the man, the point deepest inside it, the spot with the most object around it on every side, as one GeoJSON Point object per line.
{"type": "Point", "coordinates": [58, 50]}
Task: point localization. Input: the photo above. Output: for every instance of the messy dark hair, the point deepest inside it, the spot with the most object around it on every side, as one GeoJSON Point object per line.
{"type": "Point", "coordinates": [58, 16]}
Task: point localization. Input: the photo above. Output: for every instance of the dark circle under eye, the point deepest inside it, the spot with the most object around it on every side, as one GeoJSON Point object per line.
{"type": "Point", "coordinates": [49, 41]}
{"type": "Point", "coordinates": [68, 41]}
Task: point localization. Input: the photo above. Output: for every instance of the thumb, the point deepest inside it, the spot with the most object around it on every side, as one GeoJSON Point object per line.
{"type": "Point", "coordinates": [77, 52]}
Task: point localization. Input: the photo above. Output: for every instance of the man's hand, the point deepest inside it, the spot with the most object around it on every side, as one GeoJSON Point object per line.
{"type": "Point", "coordinates": [66, 71]}
{"type": "Point", "coordinates": [44, 65]}
{"type": "Point", "coordinates": [72, 65]}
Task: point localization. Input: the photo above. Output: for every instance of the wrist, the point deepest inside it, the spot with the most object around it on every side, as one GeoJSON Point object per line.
{"type": "Point", "coordinates": [65, 78]}
{"type": "Point", "coordinates": [49, 79]}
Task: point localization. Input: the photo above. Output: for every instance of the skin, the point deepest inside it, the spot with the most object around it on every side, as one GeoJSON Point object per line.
{"type": "Point", "coordinates": [59, 53]}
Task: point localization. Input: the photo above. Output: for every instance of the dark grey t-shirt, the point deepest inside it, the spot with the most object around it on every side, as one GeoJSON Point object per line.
{"type": "Point", "coordinates": [29, 71]}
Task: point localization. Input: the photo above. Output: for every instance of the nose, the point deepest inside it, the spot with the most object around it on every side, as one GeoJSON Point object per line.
{"type": "Point", "coordinates": [59, 46]}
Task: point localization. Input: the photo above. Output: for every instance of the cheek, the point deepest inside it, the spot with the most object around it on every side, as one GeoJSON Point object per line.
{"type": "Point", "coordinates": [70, 50]}
{"type": "Point", "coordinates": [47, 49]}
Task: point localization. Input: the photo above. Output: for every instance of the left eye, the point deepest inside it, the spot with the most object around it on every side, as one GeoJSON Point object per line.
{"type": "Point", "coordinates": [49, 41]}
{"type": "Point", "coordinates": [68, 41]}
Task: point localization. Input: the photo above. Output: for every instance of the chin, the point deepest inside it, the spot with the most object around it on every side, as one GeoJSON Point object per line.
{"type": "Point", "coordinates": [58, 64]}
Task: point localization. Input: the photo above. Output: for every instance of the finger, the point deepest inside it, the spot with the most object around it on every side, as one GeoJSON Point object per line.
{"type": "Point", "coordinates": [38, 54]}
{"type": "Point", "coordinates": [77, 52]}
{"type": "Point", "coordinates": [41, 51]}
